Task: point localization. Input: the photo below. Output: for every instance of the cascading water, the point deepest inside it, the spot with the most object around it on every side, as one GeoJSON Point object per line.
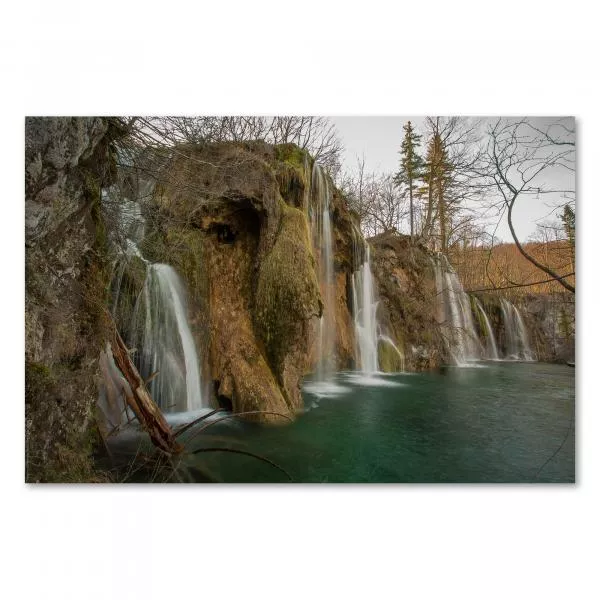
{"type": "Point", "coordinates": [365, 314]}
{"type": "Point", "coordinates": [323, 244]}
{"type": "Point", "coordinates": [516, 339]}
{"type": "Point", "coordinates": [455, 314]}
{"type": "Point", "coordinates": [158, 330]}
{"type": "Point", "coordinates": [367, 330]}
{"type": "Point", "coordinates": [161, 331]}
{"type": "Point", "coordinates": [491, 346]}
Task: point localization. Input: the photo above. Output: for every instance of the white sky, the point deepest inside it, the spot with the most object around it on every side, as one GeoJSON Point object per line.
{"type": "Point", "coordinates": [379, 139]}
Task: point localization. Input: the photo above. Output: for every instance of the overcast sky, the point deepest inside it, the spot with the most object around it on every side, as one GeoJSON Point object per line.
{"type": "Point", "coordinates": [379, 139]}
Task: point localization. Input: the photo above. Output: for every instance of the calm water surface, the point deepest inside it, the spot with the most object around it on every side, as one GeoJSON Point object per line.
{"type": "Point", "coordinates": [493, 422]}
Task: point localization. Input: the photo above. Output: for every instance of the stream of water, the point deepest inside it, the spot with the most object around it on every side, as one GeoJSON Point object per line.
{"type": "Point", "coordinates": [160, 337]}
{"type": "Point", "coordinates": [320, 220]}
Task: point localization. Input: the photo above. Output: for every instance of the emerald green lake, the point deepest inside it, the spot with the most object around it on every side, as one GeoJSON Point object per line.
{"type": "Point", "coordinates": [493, 422]}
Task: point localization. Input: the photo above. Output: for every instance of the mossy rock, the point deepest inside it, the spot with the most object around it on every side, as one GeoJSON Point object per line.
{"type": "Point", "coordinates": [153, 247]}
{"type": "Point", "coordinates": [389, 359]}
{"type": "Point", "coordinates": [39, 379]}
{"type": "Point", "coordinates": [293, 155]}
{"type": "Point", "coordinates": [292, 171]}
{"type": "Point", "coordinates": [130, 286]}
{"type": "Point", "coordinates": [185, 251]}
{"type": "Point", "coordinates": [287, 291]}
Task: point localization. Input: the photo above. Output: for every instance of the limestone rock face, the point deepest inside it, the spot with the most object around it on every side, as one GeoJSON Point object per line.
{"type": "Point", "coordinates": [232, 224]}
{"type": "Point", "coordinates": [233, 220]}
{"type": "Point", "coordinates": [66, 162]}
{"type": "Point", "coordinates": [407, 291]}
{"type": "Point", "coordinates": [55, 186]}
{"type": "Point", "coordinates": [548, 318]}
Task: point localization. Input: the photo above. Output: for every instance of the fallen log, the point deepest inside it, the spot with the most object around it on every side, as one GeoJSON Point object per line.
{"type": "Point", "coordinates": [140, 401]}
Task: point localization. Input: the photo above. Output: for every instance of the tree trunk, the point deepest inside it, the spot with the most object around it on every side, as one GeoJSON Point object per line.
{"type": "Point", "coordinates": [145, 409]}
{"type": "Point", "coordinates": [427, 227]}
{"type": "Point", "coordinates": [410, 195]}
{"type": "Point", "coordinates": [442, 212]}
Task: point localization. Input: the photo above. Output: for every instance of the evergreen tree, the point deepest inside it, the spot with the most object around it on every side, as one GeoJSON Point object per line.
{"type": "Point", "coordinates": [568, 219]}
{"type": "Point", "coordinates": [437, 170]}
{"type": "Point", "coordinates": [411, 165]}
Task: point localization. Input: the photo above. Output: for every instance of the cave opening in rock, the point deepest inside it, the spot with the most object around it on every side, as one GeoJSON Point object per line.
{"type": "Point", "coordinates": [224, 402]}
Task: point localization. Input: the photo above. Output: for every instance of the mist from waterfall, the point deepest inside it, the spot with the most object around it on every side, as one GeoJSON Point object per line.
{"type": "Point", "coordinates": [320, 219]}
{"type": "Point", "coordinates": [455, 315]}
{"type": "Point", "coordinates": [490, 339]}
{"type": "Point", "coordinates": [515, 333]}
{"type": "Point", "coordinates": [159, 334]}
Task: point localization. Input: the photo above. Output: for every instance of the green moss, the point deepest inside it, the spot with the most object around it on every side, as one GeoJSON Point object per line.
{"type": "Point", "coordinates": [38, 378]}
{"type": "Point", "coordinates": [69, 459]}
{"type": "Point", "coordinates": [292, 155]}
{"type": "Point", "coordinates": [101, 237]}
{"type": "Point", "coordinates": [287, 290]}
{"type": "Point", "coordinates": [389, 359]}
{"type": "Point", "coordinates": [292, 171]}
{"type": "Point", "coordinates": [564, 324]}
{"type": "Point", "coordinates": [481, 326]}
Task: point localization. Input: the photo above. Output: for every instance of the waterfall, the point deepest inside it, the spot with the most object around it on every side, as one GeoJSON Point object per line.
{"type": "Point", "coordinates": [165, 343]}
{"type": "Point", "coordinates": [515, 334]}
{"type": "Point", "coordinates": [365, 314]}
{"type": "Point", "coordinates": [454, 313]}
{"type": "Point", "coordinates": [158, 331]}
{"type": "Point", "coordinates": [491, 347]}
{"type": "Point", "coordinates": [368, 334]}
{"type": "Point", "coordinates": [323, 245]}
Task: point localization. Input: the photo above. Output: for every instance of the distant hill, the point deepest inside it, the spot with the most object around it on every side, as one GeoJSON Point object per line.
{"type": "Point", "coordinates": [503, 266]}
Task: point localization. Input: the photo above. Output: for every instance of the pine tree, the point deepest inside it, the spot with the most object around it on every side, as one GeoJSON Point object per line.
{"type": "Point", "coordinates": [568, 219]}
{"type": "Point", "coordinates": [436, 175]}
{"type": "Point", "coordinates": [411, 165]}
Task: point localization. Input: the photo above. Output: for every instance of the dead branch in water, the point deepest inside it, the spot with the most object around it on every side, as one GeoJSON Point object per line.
{"type": "Point", "coordinates": [246, 453]}
{"type": "Point", "coordinates": [140, 401]}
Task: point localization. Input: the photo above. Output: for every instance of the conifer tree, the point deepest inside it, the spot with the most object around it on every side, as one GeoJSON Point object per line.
{"type": "Point", "coordinates": [568, 219]}
{"type": "Point", "coordinates": [436, 174]}
{"type": "Point", "coordinates": [411, 165]}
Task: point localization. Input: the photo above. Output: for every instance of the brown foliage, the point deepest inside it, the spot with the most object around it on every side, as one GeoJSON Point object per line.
{"type": "Point", "coordinates": [504, 267]}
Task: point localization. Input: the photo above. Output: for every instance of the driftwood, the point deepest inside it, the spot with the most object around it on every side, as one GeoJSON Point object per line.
{"type": "Point", "coordinates": [140, 401]}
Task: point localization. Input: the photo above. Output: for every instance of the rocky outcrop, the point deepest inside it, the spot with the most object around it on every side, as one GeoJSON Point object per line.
{"type": "Point", "coordinates": [549, 320]}
{"type": "Point", "coordinates": [408, 302]}
{"type": "Point", "coordinates": [231, 221]}
{"type": "Point", "coordinates": [66, 163]}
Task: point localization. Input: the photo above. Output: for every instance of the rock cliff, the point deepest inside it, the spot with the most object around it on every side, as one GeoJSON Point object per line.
{"type": "Point", "coordinates": [67, 161]}
{"type": "Point", "coordinates": [231, 221]}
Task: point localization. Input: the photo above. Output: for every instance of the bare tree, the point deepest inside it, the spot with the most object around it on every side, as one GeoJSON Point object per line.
{"type": "Point", "coordinates": [449, 175]}
{"type": "Point", "coordinates": [317, 135]}
{"type": "Point", "coordinates": [519, 160]}
{"type": "Point", "coordinates": [376, 198]}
